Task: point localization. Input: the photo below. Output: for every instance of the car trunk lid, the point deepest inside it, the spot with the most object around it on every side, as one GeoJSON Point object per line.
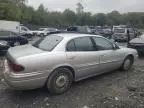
{"type": "Point", "coordinates": [24, 50]}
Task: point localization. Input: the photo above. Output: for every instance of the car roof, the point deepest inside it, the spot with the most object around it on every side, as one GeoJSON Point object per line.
{"type": "Point", "coordinates": [74, 35]}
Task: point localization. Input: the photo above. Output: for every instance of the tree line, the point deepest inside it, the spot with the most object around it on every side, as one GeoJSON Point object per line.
{"type": "Point", "coordinates": [18, 10]}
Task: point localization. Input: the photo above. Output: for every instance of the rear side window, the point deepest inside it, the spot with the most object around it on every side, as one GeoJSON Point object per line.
{"type": "Point", "coordinates": [81, 44]}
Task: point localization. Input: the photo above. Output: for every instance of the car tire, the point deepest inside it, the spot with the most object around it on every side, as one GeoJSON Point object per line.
{"type": "Point", "coordinates": [59, 81]}
{"type": "Point", "coordinates": [128, 63]}
{"type": "Point", "coordinates": [16, 43]}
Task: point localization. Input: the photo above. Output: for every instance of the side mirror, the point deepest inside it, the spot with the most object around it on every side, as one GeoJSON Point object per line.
{"type": "Point", "coordinates": [115, 46]}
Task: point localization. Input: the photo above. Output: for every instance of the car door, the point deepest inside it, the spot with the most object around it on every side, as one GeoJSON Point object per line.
{"type": "Point", "coordinates": [81, 54]}
{"type": "Point", "coordinates": [110, 57]}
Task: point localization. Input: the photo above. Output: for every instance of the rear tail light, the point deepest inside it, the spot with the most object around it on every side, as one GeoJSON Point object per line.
{"type": "Point", "coordinates": [15, 67]}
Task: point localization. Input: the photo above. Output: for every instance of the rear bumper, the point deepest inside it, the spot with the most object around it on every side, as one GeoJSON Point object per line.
{"type": "Point", "coordinates": [23, 81]}
{"type": "Point", "coordinates": [23, 84]}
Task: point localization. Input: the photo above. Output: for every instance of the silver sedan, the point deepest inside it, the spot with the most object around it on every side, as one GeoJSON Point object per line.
{"type": "Point", "coordinates": [57, 60]}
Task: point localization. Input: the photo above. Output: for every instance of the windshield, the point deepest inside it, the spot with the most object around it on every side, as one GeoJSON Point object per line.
{"type": "Point", "coordinates": [48, 43]}
{"type": "Point", "coordinates": [119, 30]}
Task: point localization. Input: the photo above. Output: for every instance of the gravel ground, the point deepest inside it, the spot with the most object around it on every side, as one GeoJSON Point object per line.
{"type": "Point", "coordinates": [116, 89]}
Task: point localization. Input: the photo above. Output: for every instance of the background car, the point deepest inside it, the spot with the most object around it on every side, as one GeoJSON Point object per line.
{"type": "Point", "coordinates": [120, 34]}
{"type": "Point", "coordinates": [12, 38]}
{"type": "Point", "coordinates": [46, 31]}
{"type": "Point", "coordinates": [57, 60]}
{"type": "Point", "coordinates": [80, 29]}
{"type": "Point", "coordinates": [138, 44]}
{"type": "Point", "coordinates": [24, 31]}
{"type": "Point", "coordinates": [4, 46]}
{"type": "Point", "coordinates": [53, 30]}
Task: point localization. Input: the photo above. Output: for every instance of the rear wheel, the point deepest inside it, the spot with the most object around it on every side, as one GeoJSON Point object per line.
{"type": "Point", "coordinates": [59, 81]}
{"type": "Point", "coordinates": [127, 64]}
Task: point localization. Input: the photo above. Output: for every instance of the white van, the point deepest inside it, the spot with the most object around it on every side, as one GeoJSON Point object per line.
{"type": "Point", "coordinates": [13, 26]}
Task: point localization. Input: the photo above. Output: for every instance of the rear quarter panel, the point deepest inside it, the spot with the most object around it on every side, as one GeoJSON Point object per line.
{"type": "Point", "coordinates": [43, 62]}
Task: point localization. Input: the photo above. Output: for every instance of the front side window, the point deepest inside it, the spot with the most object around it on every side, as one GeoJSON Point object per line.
{"type": "Point", "coordinates": [81, 44]}
{"type": "Point", "coordinates": [48, 43]}
{"type": "Point", "coordinates": [102, 44]}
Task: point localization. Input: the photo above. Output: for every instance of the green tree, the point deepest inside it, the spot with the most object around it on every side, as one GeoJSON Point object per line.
{"type": "Point", "coordinates": [8, 10]}
{"type": "Point", "coordinates": [100, 19]}
{"type": "Point", "coordinates": [114, 18]}
{"type": "Point", "coordinates": [69, 17]}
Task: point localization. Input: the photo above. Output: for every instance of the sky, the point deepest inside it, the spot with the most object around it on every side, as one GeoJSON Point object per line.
{"type": "Point", "coordinates": [94, 6]}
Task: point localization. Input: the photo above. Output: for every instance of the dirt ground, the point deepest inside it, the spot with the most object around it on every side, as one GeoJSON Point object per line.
{"type": "Point", "coordinates": [116, 89]}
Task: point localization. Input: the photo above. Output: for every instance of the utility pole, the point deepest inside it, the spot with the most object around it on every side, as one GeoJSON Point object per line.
{"type": "Point", "coordinates": [80, 7]}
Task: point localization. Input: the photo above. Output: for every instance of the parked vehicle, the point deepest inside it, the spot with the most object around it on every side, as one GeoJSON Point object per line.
{"type": "Point", "coordinates": [4, 46]}
{"type": "Point", "coordinates": [120, 34]}
{"type": "Point", "coordinates": [46, 31]}
{"type": "Point", "coordinates": [79, 29]}
{"type": "Point", "coordinates": [119, 26]}
{"type": "Point", "coordinates": [57, 60]}
{"type": "Point", "coordinates": [138, 44]}
{"type": "Point", "coordinates": [16, 27]}
{"type": "Point", "coordinates": [12, 38]}
{"type": "Point", "coordinates": [9, 26]}
{"type": "Point", "coordinates": [53, 30]}
{"type": "Point", "coordinates": [24, 31]}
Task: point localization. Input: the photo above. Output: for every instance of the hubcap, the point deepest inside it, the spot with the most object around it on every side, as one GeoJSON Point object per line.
{"type": "Point", "coordinates": [16, 43]}
{"type": "Point", "coordinates": [61, 81]}
{"type": "Point", "coordinates": [127, 64]}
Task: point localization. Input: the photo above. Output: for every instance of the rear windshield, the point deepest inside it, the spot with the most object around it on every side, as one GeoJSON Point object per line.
{"type": "Point", "coordinates": [48, 43]}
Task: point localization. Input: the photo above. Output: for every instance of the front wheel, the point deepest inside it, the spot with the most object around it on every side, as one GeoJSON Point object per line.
{"type": "Point", "coordinates": [16, 43]}
{"type": "Point", "coordinates": [59, 81]}
{"type": "Point", "coordinates": [127, 64]}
